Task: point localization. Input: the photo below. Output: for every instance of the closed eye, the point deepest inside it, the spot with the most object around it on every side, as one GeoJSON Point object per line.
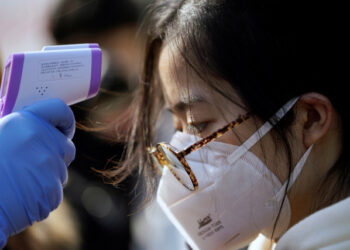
{"type": "Point", "coordinates": [196, 128]}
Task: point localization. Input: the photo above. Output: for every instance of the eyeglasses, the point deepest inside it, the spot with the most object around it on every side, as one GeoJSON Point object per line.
{"type": "Point", "coordinates": [165, 155]}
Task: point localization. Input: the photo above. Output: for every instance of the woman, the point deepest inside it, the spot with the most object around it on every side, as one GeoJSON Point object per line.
{"type": "Point", "coordinates": [256, 80]}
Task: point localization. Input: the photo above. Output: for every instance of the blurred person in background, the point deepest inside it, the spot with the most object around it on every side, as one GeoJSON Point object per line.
{"type": "Point", "coordinates": [113, 25]}
{"type": "Point", "coordinates": [103, 211]}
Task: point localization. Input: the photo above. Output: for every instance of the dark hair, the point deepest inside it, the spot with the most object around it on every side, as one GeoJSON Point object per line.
{"type": "Point", "coordinates": [269, 51]}
{"type": "Point", "coordinates": [93, 16]}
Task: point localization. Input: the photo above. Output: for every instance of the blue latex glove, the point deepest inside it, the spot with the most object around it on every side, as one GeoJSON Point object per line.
{"type": "Point", "coordinates": [35, 150]}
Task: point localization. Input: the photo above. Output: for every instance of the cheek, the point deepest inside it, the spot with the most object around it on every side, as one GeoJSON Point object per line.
{"type": "Point", "coordinates": [273, 154]}
{"type": "Point", "coordinates": [240, 133]}
{"type": "Point", "coordinates": [267, 149]}
{"type": "Point", "coordinates": [231, 137]}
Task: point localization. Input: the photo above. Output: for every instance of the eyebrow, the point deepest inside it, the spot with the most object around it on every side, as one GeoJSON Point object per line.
{"type": "Point", "coordinates": [185, 103]}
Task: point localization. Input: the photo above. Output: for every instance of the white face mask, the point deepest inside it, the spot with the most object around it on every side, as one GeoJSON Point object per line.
{"type": "Point", "coordinates": [237, 198]}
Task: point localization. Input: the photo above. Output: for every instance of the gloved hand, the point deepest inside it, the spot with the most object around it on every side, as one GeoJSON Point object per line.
{"type": "Point", "coordinates": [35, 150]}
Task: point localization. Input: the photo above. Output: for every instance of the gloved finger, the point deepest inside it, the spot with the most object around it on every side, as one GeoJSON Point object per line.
{"type": "Point", "coordinates": [47, 196]}
{"type": "Point", "coordinates": [69, 152]}
{"type": "Point", "coordinates": [66, 150]}
{"type": "Point", "coordinates": [56, 148]}
{"type": "Point", "coordinates": [57, 113]}
{"type": "Point", "coordinates": [54, 196]}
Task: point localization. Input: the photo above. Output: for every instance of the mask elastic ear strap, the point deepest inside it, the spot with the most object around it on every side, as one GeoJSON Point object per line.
{"type": "Point", "coordinates": [264, 129]}
{"type": "Point", "coordinates": [294, 175]}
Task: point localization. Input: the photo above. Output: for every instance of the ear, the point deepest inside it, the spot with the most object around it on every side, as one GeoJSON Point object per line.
{"type": "Point", "coordinates": [316, 113]}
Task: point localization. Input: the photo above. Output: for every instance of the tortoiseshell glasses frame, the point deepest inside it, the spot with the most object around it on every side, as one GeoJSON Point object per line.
{"type": "Point", "coordinates": [160, 158]}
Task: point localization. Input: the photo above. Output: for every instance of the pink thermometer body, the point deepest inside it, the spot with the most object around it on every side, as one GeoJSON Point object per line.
{"type": "Point", "coordinates": [69, 72]}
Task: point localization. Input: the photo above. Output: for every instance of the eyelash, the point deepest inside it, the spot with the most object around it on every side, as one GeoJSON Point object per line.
{"type": "Point", "coordinates": [196, 128]}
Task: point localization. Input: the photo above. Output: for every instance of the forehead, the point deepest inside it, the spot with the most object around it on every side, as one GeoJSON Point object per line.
{"type": "Point", "coordinates": [180, 82]}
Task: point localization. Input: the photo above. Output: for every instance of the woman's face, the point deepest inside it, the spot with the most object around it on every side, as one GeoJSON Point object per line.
{"type": "Point", "coordinates": [198, 109]}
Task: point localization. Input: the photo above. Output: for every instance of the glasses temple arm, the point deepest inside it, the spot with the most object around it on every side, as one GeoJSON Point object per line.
{"type": "Point", "coordinates": [213, 136]}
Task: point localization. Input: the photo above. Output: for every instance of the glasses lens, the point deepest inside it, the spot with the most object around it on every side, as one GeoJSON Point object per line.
{"type": "Point", "coordinates": [176, 167]}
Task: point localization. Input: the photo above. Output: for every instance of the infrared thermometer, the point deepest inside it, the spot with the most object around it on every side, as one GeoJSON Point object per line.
{"type": "Point", "coordinates": [69, 72]}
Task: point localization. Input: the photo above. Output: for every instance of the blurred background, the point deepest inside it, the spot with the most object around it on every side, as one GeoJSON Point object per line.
{"type": "Point", "coordinates": [93, 215]}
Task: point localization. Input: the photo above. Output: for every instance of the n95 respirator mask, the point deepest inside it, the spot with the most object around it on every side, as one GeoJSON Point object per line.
{"type": "Point", "coordinates": [237, 198]}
